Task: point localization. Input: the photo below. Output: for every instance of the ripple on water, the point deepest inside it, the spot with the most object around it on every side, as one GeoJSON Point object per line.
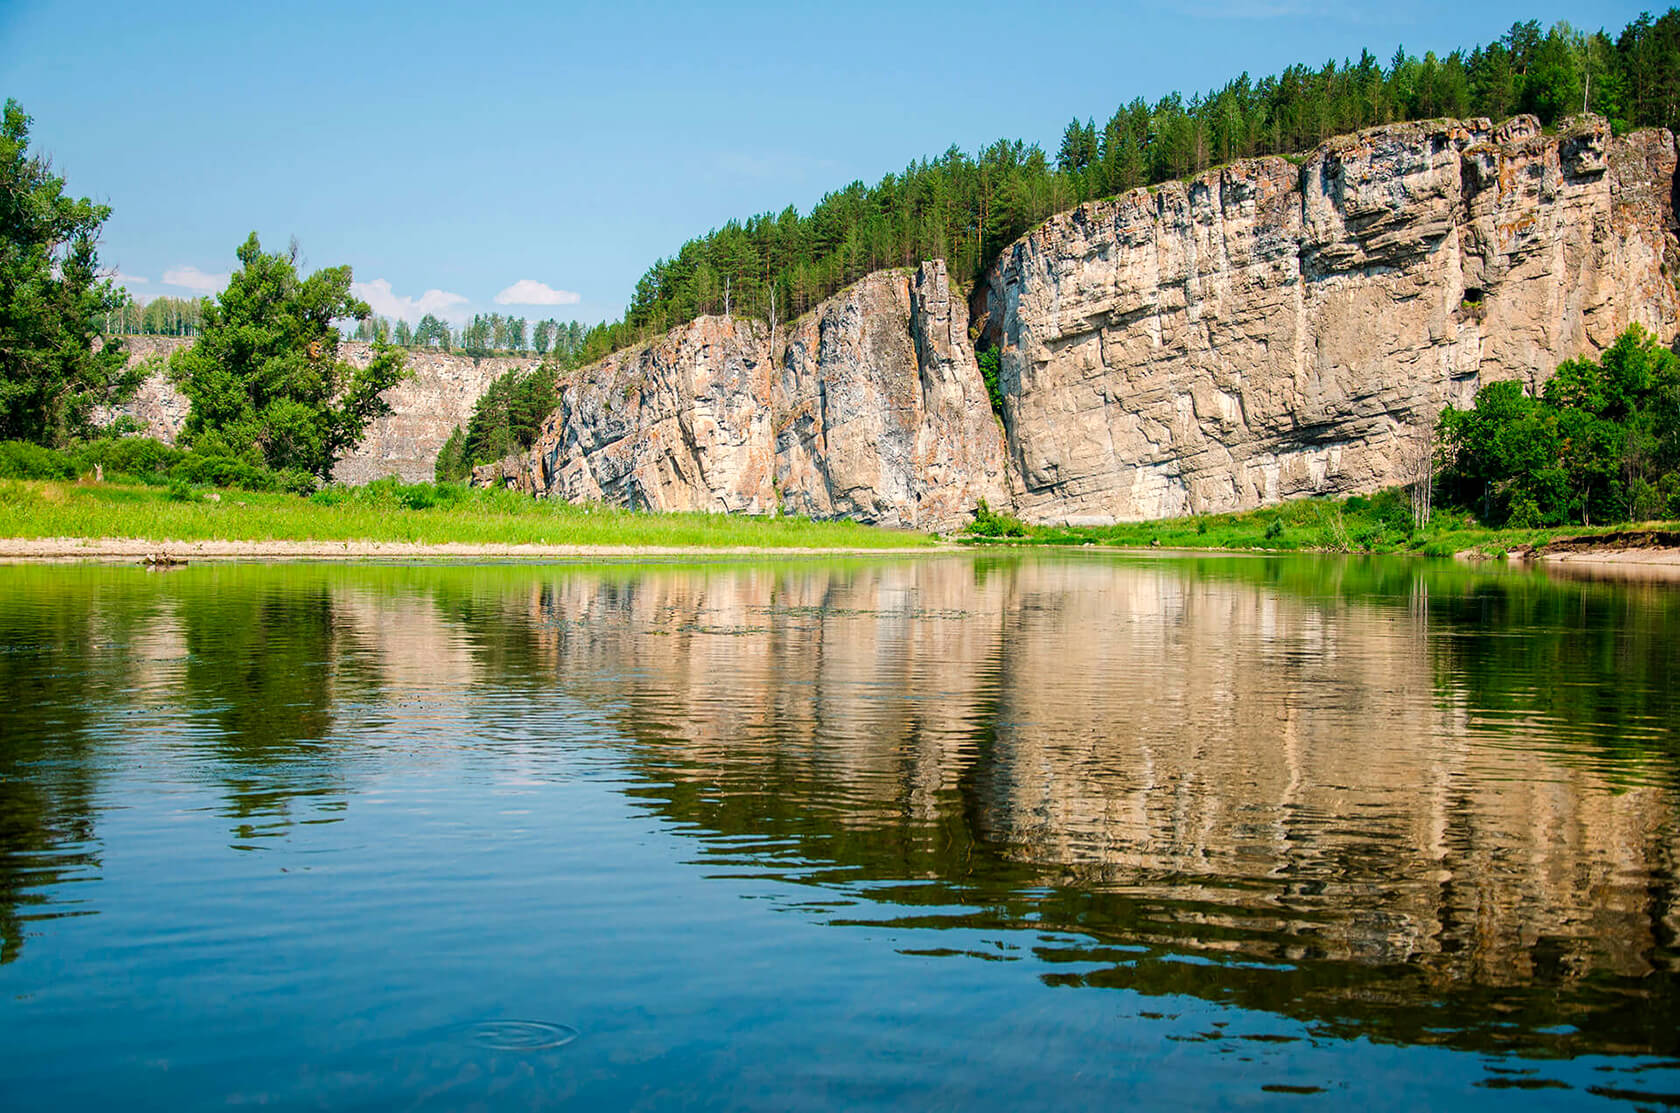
{"type": "Point", "coordinates": [522, 1035]}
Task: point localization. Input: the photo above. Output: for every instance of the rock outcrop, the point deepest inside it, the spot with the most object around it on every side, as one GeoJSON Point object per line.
{"type": "Point", "coordinates": [1264, 330]}
{"type": "Point", "coordinates": [870, 407]}
{"type": "Point", "coordinates": [425, 408]}
{"type": "Point", "coordinates": [1267, 330]}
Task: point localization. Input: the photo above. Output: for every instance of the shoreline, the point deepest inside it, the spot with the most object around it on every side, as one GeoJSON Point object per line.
{"type": "Point", "coordinates": [1657, 560]}
{"type": "Point", "coordinates": [108, 550]}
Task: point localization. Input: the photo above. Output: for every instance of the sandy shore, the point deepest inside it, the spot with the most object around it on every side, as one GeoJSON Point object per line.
{"type": "Point", "coordinates": [125, 550]}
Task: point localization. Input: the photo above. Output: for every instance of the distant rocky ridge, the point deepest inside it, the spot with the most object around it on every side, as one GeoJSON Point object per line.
{"type": "Point", "coordinates": [425, 408]}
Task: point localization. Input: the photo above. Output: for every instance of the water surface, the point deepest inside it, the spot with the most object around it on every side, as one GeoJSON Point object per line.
{"type": "Point", "coordinates": [968, 833]}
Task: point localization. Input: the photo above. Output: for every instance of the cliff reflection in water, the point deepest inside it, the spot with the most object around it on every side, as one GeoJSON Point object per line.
{"type": "Point", "coordinates": [1415, 803]}
{"type": "Point", "coordinates": [1438, 807]}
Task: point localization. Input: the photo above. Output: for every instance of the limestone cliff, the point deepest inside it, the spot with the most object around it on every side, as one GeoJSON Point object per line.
{"type": "Point", "coordinates": [1267, 330]}
{"type": "Point", "coordinates": [871, 407]}
{"type": "Point", "coordinates": [424, 409]}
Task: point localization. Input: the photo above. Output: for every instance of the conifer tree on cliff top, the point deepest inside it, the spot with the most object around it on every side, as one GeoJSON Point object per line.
{"type": "Point", "coordinates": [264, 377]}
{"type": "Point", "coordinates": [53, 301]}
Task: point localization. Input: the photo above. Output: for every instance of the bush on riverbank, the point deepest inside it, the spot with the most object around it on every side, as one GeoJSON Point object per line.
{"type": "Point", "coordinates": [1599, 443]}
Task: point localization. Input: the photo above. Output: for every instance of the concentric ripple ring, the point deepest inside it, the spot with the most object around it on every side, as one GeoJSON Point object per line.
{"type": "Point", "coordinates": [522, 1035]}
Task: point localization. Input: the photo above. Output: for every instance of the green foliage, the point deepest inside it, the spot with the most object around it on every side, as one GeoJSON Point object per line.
{"type": "Point", "coordinates": [265, 373]}
{"type": "Point", "coordinates": [26, 460]}
{"type": "Point", "coordinates": [214, 470]}
{"type": "Point", "coordinates": [1378, 523]}
{"type": "Point", "coordinates": [989, 523]}
{"type": "Point", "coordinates": [392, 511]}
{"type": "Point", "coordinates": [53, 302]}
{"type": "Point", "coordinates": [452, 464]}
{"type": "Point", "coordinates": [1601, 443]}
{"type": "Point", "coordinates": [507, 417]}
{"type": "Point", "coordinates": [431, 332]}
{"type": "Point", "coordinates": [990, 364]}
{"type": "Point", "coordinates": [139, 457]}
{"type": "Point", "coordinates": [161, 316]}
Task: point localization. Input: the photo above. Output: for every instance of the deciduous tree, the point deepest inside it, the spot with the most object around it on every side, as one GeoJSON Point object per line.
{"type": "Point", "coordinates": [264, 377]}
{"type": "Point", "coordinates": [56, 363]}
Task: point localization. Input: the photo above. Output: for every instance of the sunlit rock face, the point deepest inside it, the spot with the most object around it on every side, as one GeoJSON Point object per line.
{"type": "Point", "coordinates": [881, 412]}
{"type": "Point", "coordinates": [1266, 330]}
{"type": "Point", "coordinates": [870, 407]}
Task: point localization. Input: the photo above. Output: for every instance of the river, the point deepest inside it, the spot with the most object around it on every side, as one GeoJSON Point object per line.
{"type": "Point", "coordinates": [958, 832]}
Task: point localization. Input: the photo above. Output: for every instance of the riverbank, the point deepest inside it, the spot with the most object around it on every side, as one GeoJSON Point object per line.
{"type": "Point", "coordinates": [1381, 523]}
{"type": "Point", "coordinates": [166, 553]}
{"type": "Point", "coordinates": [46, 520]}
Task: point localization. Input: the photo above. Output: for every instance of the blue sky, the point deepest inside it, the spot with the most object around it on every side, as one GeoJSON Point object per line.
{"type": "Point", "coordinates": [456, 153]}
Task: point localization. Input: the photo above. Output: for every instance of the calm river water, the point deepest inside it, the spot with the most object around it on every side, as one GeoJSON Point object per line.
{"type": "Point", "coordinates": [953, 833]}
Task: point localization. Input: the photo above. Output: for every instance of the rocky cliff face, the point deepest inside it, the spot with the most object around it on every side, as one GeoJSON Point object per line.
{"type": "Point", "coordinates": [1267, 330]}
{"type": "Point", "coordinates": [1264, 330]}
{"type": "Point", "coordinates": [425, 409]}
{"type": "Point", "coordinates": [871, 407]}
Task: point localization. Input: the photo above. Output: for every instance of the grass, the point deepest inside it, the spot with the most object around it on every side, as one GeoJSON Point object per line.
{"type": "Point", "coordinates": [1381, 523]}
{"type": "Point", "coordinates": [392, 512]}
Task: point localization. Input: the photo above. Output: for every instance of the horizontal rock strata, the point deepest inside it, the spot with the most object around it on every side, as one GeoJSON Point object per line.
{"type": "Point", "coordinates": [1267, 330]}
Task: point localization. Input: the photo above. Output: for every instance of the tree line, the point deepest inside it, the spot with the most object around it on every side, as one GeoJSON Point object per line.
{"type": "Point", "coordinates": [966, 208]}
{"type": "Point", "coordinates": [161, 316]}
{"type": "Point", "coordinates": [485, 334]}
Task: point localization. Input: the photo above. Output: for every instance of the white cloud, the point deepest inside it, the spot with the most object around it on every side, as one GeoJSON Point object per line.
{"type": "Point", "coordinates": [528, 291]}
{"type": "Point", "coordinates": [122, 279]}
{"type": "Point", "coordinates": [379, 295]}
{"type": "Point", "coordinates": [194, 279]}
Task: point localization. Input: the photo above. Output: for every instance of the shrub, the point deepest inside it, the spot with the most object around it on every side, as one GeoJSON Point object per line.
{"type": "Point", "coordinates": [989, 523]}
{"type": "Point", "coordinates": [143, 458]}
{"type": "Point", "coordinates": [990, 364]}
{"type": "Point", "coordinates": [230, 471]}
{"type": "Point", "coordinates": [22, 460]}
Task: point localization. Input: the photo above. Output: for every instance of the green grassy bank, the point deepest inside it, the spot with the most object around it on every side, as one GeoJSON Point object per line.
{"type": "Point", "coordinates": [1381, 523]}
{"type": "Point", "coordinates": [387, 511]}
